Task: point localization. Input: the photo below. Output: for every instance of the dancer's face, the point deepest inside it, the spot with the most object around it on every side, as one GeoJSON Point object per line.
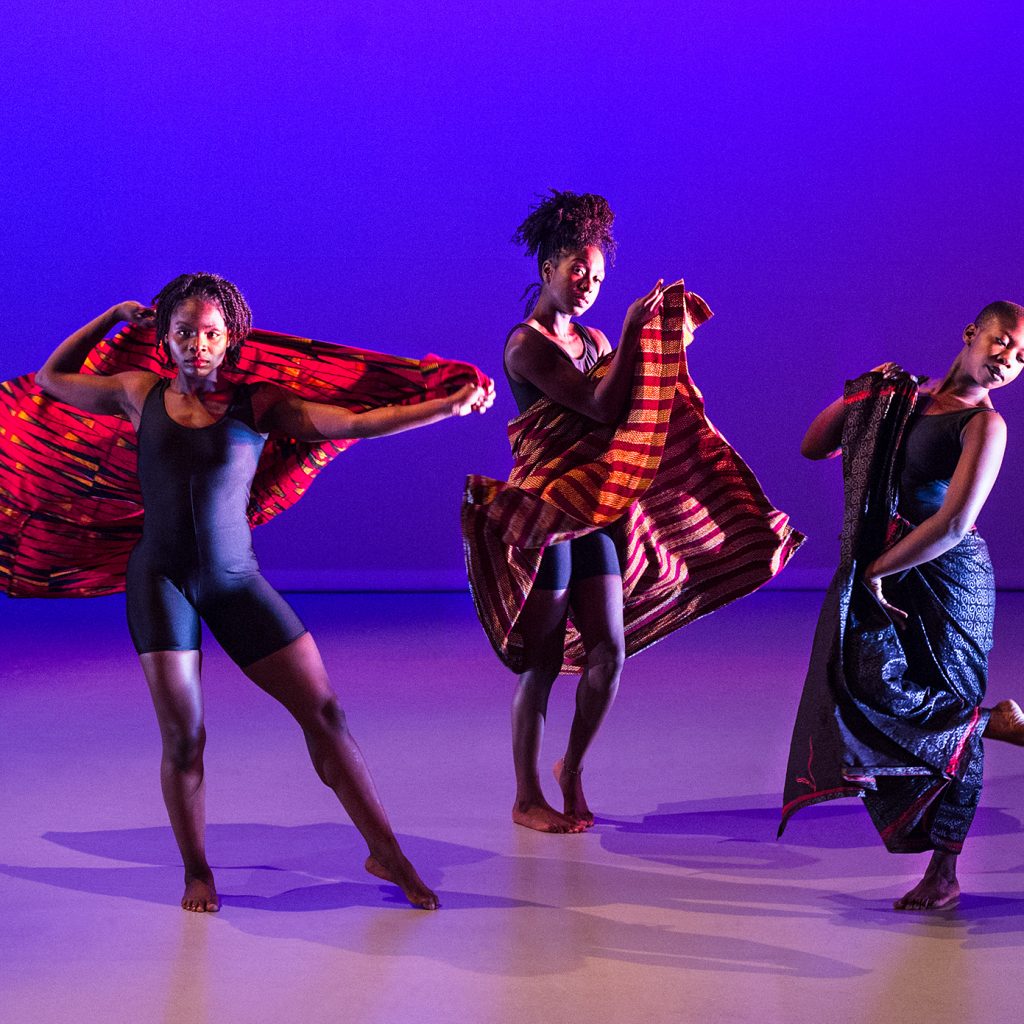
{"type": "Point", "coordinates": [198, 338]}
{"type": "Point", "coordinates": [574, 281]}
{"type": "Point", "coordinates": [995, 351]}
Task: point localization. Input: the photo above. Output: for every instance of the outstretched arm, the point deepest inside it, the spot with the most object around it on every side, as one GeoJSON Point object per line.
{"type": "Point", "coordinates": [283, 413]}
{"type": "Point", "coordinates": [984, 442]}
{"type": "Point", "coordinates": [61, 377]}
{"type": "Point", "coordinates": [533, 359]}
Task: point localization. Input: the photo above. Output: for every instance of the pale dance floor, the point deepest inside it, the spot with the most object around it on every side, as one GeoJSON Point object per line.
{"type": "Point", "coordinates": [679, 906]}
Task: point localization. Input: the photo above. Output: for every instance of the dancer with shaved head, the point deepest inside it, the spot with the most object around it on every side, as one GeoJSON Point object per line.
{"type": "Point", "coordinates": [892, 705]}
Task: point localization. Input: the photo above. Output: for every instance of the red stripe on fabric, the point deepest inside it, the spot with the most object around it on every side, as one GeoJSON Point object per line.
{"type": "Point", "coordinates": [819, 796]}
{"type": "Point", "coordinates": [897, 827]}
{"type": "Point", "coordinates": [954, 761]}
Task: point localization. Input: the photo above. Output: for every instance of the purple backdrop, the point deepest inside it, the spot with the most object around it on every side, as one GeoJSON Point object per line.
{"type": "Point", "coordinates": [841, 182]}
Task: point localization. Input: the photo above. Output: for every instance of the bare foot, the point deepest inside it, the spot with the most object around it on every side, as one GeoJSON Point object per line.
{"type": "Point", "coordinates": [400, 872]}
{"type": "Point", "coordinates": [1006, 723]}
{"type": "Point", "coordinates": [930, 894]}
{"type": "Point", "coordinates": [938, 890]}
{"type": "Point", "coordinates": [542, 817]}
{"type": "Point", "coordinates": [571, 784]}
{"type": "Point", "coordinates": [200, 895]}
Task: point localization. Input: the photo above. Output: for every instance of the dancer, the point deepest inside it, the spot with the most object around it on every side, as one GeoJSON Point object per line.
{"type": "Point", "coordinates": [610, 532]}
{"type": "Point", "coordinates": [891, 709]}
{"type": "Point", "coordinates": [200, 436]}
{"type": "Point", "coordinates": [548, 356]}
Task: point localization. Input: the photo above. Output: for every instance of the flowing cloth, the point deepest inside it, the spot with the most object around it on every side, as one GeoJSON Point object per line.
{"type": "Point", "coordinates": [892, 715]}
{"type": "Point", "coordinates": [693, 527]}
{"type": "Point", "coordinates": [70, 506]}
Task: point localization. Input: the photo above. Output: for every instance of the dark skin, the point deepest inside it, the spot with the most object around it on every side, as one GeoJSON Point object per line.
{"type": "Point", "coordinates": [992, 357]}
{"type": "Point", "coordinates": [569, 285]}
{"type": "Point", "coordinates": [295, 675]}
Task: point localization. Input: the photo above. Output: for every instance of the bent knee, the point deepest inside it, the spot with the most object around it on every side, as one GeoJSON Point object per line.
{"type": "Point", "coordinates": [329, 717]}
{"type": "Point", "coordinates": [183, 747]}
{"type": "Point", "coordinates": [604, 664]}
{"type": "Point", "coordinates": [540, 676]}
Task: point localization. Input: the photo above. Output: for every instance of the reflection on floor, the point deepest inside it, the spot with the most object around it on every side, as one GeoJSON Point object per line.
{"type": "Point", "coordinates": [679, 906]}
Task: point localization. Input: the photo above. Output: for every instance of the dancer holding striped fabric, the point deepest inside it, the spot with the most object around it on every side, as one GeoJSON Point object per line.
{"type": "Point", "coordinates": [626, 514]}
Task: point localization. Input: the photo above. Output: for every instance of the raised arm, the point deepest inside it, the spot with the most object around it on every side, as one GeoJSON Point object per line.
{"type": "Point", "coordinates": [61, 377]}
{"type": "Point", "coordinates": [278, 411]}
{"type": "Point", "coordinates": [533, 359]}
{"type": "Point", "coordinates": [824, 436]}
{"type": "Point", "coordinates": [984, 442]}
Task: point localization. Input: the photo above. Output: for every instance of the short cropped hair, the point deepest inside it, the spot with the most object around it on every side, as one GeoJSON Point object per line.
{"type": "Point", "coordinates": [1002, 310]}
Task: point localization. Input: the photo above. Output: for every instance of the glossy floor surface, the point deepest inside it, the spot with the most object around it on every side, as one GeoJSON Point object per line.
{"type": "Point", "coordinates": [679, 906]}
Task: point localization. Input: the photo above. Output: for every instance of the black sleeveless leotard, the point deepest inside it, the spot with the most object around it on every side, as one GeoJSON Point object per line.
{"type": "Point", "coordinates": [930, 454]}
{"type": "Point", "coordinates": [594, 554]}
{"type": "Point", "coordinates": [195, 558]}
{"type": "Point", "coordinates": [526, 393]}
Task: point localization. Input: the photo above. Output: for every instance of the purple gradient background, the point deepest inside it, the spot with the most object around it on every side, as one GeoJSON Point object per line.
{"type": "Point", "coordinates": [840, 182]}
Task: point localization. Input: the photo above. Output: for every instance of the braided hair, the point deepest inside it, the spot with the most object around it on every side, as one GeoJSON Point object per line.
{"type": "Point", "coordinates": [565, 222]}
{"type": "Point", "coordinates": [213, 288]}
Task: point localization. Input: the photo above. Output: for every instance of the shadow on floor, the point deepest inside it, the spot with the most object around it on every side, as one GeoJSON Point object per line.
{"type": "Point", "coordinates": [543, 913]}
{"type": "Point", "coordinates": [516, 915]}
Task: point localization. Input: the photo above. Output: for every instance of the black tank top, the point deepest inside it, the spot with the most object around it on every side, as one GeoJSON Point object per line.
{"type": "Point", "coordinates": [195, 484]}
{"type": "Point", "coordinates": [930, 454]}
{"type": "Point", "coordinates": [526, 393]}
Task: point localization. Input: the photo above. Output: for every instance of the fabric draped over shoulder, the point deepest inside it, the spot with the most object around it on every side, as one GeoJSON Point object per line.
{"type": "Point", "coordinates": [70, 506]}
{"type": "Point", "coordinates": [694, 528]}
{"type": "Point", "coordinates": [893, 715]}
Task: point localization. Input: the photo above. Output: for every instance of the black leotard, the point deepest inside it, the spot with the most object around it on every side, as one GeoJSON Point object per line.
{"type": "Point", "coordinates": [930, 454]}
{"type": "Point", "coordinates": [195, 557]}
{"type": "Point", "coordinates": [594, 554]}
{"type": "Point", "coordinates": [526, 393]}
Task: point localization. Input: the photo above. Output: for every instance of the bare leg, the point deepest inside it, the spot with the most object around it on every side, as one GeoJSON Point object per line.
{"type": "Point", "coordinates": [1006, 723]}
{"type": "Point", "coordinates": [543, 627]}
{"type": "Point", "coordinates": [938, 889]}
{"type": "Point", "coordinates": [174, 683]}
{"type": "Point", "coordinates": [597, 614]}
{"type": "Point", "coordinates": [295, 676]}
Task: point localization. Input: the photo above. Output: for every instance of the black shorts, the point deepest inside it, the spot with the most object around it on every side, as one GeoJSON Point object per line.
{"type": "Point", "coordinates": [246, 615]}
{"type": "Point", "coordinates": [594, 554]}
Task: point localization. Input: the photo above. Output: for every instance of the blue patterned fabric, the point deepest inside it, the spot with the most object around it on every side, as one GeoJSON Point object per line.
{"type": "Point", "coordinates": [893, 715]}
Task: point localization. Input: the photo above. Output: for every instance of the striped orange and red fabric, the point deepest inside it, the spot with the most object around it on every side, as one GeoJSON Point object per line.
{"type": "Point", "coordinates": [694, 528]}
{"type": "Point", "coordinates": [70, 507]}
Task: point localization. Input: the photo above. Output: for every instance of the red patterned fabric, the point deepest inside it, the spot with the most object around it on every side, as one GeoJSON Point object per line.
{"type": "Point", "coordinates": [70, 507]}
{"type": "Point", "coordinates": [694, 528]}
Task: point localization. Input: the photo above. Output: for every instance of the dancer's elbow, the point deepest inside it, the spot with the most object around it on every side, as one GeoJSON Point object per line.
{"type": "Point", "coordinates": [955, 526]}
{"type": "Point", "coordinates": [958, 530]}
{"type": "Point", "coordinates": [605, 416]}
{"type": "Point", "coordinates": [44, 380]}
{"type": "Point", "coordinates": [813, 449]}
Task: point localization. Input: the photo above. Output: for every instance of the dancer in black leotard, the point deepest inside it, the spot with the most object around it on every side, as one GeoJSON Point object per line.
{"type": "Point", "coordinates": [195, 559]}
{"type": "Point", "coordinates": [548, 356]}
{"type": "Point", "coordinates": [199, 442]}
